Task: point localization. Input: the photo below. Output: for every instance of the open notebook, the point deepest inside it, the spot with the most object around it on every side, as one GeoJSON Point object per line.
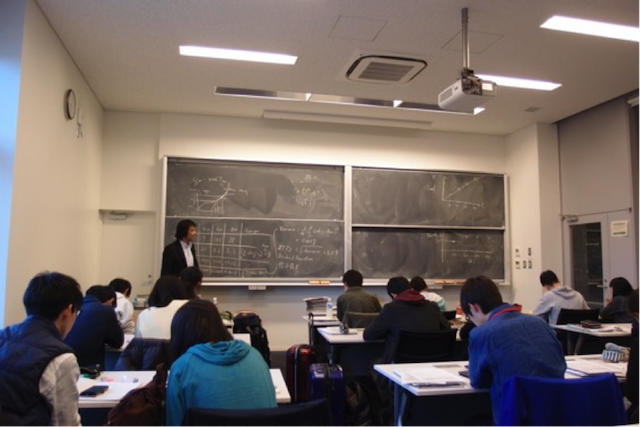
{"type": "Point", "coordinates": [429, 377]}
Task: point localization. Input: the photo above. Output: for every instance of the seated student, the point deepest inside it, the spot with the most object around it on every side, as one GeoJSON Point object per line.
{"type": "Point", "coordinates": [167, 296]}
{"type": "Point", "coordinates": [419, 285]}
{"type": "Point", "coordinates": [96, 325]}
{"type": "Point", "coordinates": [407, 311]}
{"type": "Point", "coordinates": [210, 368]}
{"type": "Point", "coordinates": [191, 277]}
{"type": "Point", "coordinates": [124, 307]}
{"type": "Point", "coordinates": [617, 309]}
{"type": "Point", "coordinates": [506, 342]}
{"type": "Point", "coordinates": [354, 298]}
{"type": "Point", "coordinates": [557, 297]}
{"type": "Point", "coordinates": [631, 385]}
{"type": "Point", "coordinates": [39, 372]}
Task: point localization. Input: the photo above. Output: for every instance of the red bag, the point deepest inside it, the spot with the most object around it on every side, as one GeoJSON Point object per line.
{"type": "Point", "coordinates": [143, 406]}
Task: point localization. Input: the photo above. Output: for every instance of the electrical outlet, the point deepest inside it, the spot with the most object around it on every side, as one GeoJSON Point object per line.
{"type": "Point", "coordinates": [517, 252]}
{"type": "Point", "coordinates": [517, 265]}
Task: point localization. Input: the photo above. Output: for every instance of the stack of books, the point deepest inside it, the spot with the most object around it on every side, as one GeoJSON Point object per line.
{"type": "Point", "coordinates": [317, 305]}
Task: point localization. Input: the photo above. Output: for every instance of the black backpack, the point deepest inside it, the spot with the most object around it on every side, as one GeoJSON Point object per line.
{"type": "Point", "coordinates": [246, 321]}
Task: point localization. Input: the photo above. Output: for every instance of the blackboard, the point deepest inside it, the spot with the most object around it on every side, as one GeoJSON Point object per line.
{"type": "Point", "coordinates": [403, 197]}
{"type": "Point", "coordinates": [267, 248]}
{"type": "Point", "coordinates": [201, 188]}
{"type": "Point", "coordinates": [433, 254]}
{"type": "Point", "coordinates": [260, 220]}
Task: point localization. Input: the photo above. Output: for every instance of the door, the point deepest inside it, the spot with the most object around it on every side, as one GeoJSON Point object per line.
{"type": "Point", "coordinates": [598, 248]}
{"type": "Point", "coordinates": [588, 272]}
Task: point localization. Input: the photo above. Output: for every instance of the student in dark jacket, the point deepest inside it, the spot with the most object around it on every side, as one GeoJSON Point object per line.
{"type": "Point", "coordinates": [617, 310]}
{"type": "Point", "coordinates": [97, 325]}
{"type": "Point", "coordinates": [407, 311]}
{"type": "Point", "coordinates": [631, 385]}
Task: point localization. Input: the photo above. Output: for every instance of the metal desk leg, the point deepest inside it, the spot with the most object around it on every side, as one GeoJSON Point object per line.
{"type": "Point", "coordinates": [579, 344]}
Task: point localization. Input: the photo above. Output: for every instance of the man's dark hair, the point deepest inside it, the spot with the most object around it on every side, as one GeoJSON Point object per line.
{"type": "Point", "coordinates": [196, 322]}
{"type": "Point", "coordinates": [621, 286]}
{"type": "Point", "coordinates": [182, 229]}
{"type": "Point", "coordinates": [103, 293]}
{"type": "Point", "coordinates": [166, 289]}
{"type": "Point", "coordinates": [352, 278]}
{"type": "Point", "coordinates": [482, 291]}
{"type": "Point", "coordinates": [191, 277]}
{"type": "Point", "coordinates": [397, 285]}
{"type": "Point", "coordinates": [418, 284]}
{"type": "Point", "coordinates": [49, 293]}
{"type": "Point", "coordinates": [121, 285]}
{"type": "Point", "coordinates": [548, 278]}
{"type": "Point", "coordinates": [633, 301]}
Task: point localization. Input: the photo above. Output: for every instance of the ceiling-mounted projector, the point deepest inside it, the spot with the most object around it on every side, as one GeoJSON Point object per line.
{"type": "Point", "coordinates": [467, 93]}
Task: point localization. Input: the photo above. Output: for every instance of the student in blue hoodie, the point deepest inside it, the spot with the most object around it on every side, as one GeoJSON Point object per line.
{"type": "Point", "coordinates": [210, 368]}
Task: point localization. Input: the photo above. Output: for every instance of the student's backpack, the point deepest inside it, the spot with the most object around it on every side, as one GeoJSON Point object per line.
{"type": "Point", "coordinates": [247, 321]}
{"type": "Point", "coordinates": [143, 406]}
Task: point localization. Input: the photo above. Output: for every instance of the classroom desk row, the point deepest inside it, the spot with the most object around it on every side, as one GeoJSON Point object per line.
{"type": "Point", "coordinates": [433, 384]}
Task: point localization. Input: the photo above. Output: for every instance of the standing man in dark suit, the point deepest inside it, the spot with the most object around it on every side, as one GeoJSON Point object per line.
{"type": "Point", "coordinates": [181, 253]}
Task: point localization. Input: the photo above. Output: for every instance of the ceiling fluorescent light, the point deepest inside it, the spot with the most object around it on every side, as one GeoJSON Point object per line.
{"type": "Point", "coordinates": [350, 120]}
{"type": "Point", "coordinates": [237, 55]}
{"type": "Point", "coordinates": [520, 83]}
{"type": "Point", "coordinates": [592, 28]}
{"type": "Point", "coordinates": [259, 93]}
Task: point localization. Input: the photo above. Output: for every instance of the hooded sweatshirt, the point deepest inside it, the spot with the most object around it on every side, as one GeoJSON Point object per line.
{"type": "Point", "coordinates": [556, 299]}
{"type": "Point", "coordinates": [224, 375]}
{"type": "Point", "coordinates": [409, 311]}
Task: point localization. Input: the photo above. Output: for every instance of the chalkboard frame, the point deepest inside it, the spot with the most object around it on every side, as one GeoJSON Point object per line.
{"type": "Point", "coordinates": [348, 225]}
{"type": "Point", "coordinates": [336, 222]}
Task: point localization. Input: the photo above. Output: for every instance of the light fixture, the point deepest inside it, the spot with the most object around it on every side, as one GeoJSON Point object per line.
{"type": "Point", "coordinates": [592, 28]}
{"type": "Point", "coordinates": [520, 83]}
{"type": "Point", "coordinates": [237, 55]}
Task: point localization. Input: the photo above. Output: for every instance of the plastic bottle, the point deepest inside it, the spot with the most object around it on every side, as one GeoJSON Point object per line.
{"type": "Point", "coordinates": [215, 301]}
{"type": "Point", "coordinates": [329, 308]}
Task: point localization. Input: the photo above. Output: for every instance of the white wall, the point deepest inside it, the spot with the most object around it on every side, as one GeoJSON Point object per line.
{"type": "Point", "coordinates": [11, 31]}
{"type": "Point", "coordinates": [56, 184]}
{"type": "Point", "coordinates": [534, 200]}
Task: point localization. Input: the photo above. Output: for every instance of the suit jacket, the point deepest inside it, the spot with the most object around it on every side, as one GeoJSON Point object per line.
{"type": "Point", "coordinates": [173, 260]}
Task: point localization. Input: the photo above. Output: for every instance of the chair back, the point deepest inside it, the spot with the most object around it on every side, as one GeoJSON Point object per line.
{"type": "Point", "coordinates": [449, 314]}
{"type": "Point", "coordinates": [143, 354]}
{"type": "Point", "coordinates": [355, 319]}
{"type": "Point", "coordinates": [567, 316]}
{"type": "Point", "coordinates": [314, 413]}
{"type": "Point", "coordinates": [589, 401]}
{"type": "Point", "coordinates": [416, 347]}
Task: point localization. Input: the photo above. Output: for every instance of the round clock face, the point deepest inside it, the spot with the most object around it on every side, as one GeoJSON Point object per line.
{"type": "Point", "coordinates": [70, 104]}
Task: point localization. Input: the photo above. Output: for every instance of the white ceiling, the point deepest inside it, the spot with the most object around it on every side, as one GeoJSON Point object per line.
{"type": "Point", "coordinates": [128, 52]}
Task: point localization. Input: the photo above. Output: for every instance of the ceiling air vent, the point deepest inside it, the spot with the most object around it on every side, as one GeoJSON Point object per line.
{"type": "Point", "coordinates": [385, 69]}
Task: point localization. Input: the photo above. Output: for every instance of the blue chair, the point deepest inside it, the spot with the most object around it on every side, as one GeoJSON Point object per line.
{"type": "Point", "coordinates": [589, 401]}
{"type": "Point", "coordinates": [314, 413]}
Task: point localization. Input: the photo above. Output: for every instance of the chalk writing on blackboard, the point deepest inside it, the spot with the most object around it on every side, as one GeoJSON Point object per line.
{"type": "Point", "coordinates": [269, 248]}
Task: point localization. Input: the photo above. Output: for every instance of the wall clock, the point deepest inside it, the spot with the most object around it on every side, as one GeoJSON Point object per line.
{"type": "Point", "coordinates": [70, 104]}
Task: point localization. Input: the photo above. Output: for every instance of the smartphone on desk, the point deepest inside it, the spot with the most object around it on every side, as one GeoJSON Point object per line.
{"type": "Point", "coordinates": [95, 390]}
{"type": "Point", "coordinates": [464, 373]}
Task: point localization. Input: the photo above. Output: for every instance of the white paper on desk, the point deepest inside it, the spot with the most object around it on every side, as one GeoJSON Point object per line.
{"type": "Point", "coordinates": [425, 375]}
{"type": "Point", "coordinates": [585, 368]}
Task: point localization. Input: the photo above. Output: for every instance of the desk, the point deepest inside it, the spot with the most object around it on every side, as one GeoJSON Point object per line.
{"type": "Point", "coordinates": [608, 330]}
{"type": "Point", "coordinates": [318, 321]}
{"type": "Point", "coordinates": [351, 351]}
{"type": "Point", "coordinates": [401, 376]}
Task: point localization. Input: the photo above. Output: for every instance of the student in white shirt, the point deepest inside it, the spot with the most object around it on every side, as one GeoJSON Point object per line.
{"type": "Point", "coordinates": [167, 296]}
{"type": "Point", "coordinates": [419, 285]}
{"type": "Point", "coordinates": [124, 307]}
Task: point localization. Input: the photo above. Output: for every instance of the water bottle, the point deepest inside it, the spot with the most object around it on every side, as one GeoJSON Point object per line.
{"type": "Point", "coordinates": [215, 301]}
{"type": "Point", "coordinates": [329, 308]}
